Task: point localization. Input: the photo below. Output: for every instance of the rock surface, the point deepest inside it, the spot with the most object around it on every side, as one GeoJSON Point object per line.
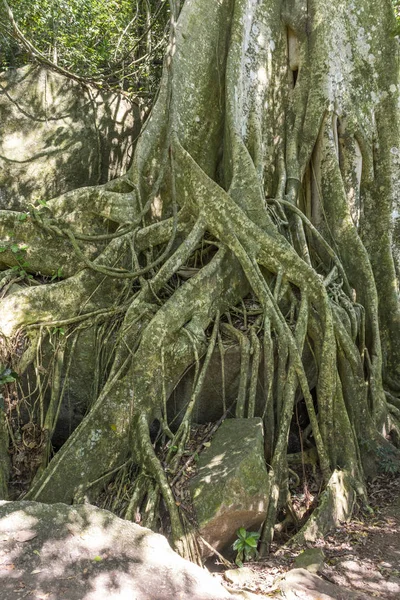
{"type": "Point", "coordinates": [311, 559]}
{"type": "Point", "coordinates": [58, 135]}
{"type": "Point", "coordinates": [300, 583]}
{"type": "Point", "coordinates": [230, 489]}
{"type": "Point", "coordinates": [210, 403]}
{"type": "Point", "coordinates": [240, 577]}
{"type": "Point", "coordinates": [57, 552]}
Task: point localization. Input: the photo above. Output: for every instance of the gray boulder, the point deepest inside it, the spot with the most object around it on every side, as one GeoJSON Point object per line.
{"type": "Point", "coordinates": [58, 135]}
{"type": "Point", "coordinates": [230, 489]}
{"type": "Point", "coordinates": [84, 553]}
{"type": "Point", "coordinates": [210, 405]}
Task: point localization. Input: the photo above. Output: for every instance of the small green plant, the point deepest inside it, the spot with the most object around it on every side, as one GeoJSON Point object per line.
{"type": "Point", "coordinates": [58, 330]}
{"type": "Point", "coordinates": [7, 375]}
{"type": "Point", "coordinates": [58, 274]}
{"type": "Point", "coordinates": [245, 545]}
{"type": "Point", "coordinates": [387, 462]}
{"type": "Point", "coordinates": [19, 252]}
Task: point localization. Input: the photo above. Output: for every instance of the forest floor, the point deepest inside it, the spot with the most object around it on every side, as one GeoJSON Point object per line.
{"type": "Point", "coordinates": [362, 558]}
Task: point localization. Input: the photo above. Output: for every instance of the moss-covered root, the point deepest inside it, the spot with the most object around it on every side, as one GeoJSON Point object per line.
{"type": "Point", "coordinates": [335, 506]}
{"type": "Point", "coordinates": [4, 460]}
{"type": "Point", "coordinates": [102, 440]}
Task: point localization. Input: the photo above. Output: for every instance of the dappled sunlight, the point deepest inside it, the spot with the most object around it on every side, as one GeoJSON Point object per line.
{"type": "Point", "coordinates": [83, 553]}
{"type": "Point", "coordinates": [55, 125]}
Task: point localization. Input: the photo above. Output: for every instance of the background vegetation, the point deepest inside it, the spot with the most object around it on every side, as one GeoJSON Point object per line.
{"type": "Point", "coordinates": [118, 43]}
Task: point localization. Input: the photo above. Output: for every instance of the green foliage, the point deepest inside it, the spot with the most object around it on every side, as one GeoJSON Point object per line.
{"type": "Point", "coordinates": [387, 461]}
{"type": "Point", "coordinates": [112, 41]}
{"type": "Point", "coordinates": [57, 275]}
{"type": "Point", "coordinates": [19, 252]}
{"type": "Point", "coordinates": [58, 330]}
{"type": "Point", "coordinates": [7, 375]}
{"type": "Point", "coordinates": [245, 545]}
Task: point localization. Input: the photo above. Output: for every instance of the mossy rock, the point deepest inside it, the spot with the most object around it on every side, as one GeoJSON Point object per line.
{"type": "Point", "coordinates": [230, 489]}
{"type": "Point", "coordinates": [58, 135]}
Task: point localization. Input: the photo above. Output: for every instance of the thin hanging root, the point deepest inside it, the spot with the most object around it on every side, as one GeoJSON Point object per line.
{"type": "Point", "coordinates": [132, 512]}
{"type": "Point", "coordinates": [279, 460]}
{"type": "Point", "coordinates": [222, 360]}
{"type": "Point", "coordinates": [150, 512]}
{"type": "Point", "coordinates": [221, 558]}
{"type": "Point", "coordinates": [268, 414]}
{"type": "Point", "coordinates": [146, 452]}
{"type": "Point", "coordinates": [164, 421]}
{"type": "Point", "coordinates": [256, 351]}
{"type": "Point", "coordinates": [181, 437]}
{"type": "Point", "coordinates": [283, 355]}
{"type": "Point", "coordinates": [320, 239]}
{"type": "Point", "coordinates": [284, 331]}
{"type": "Point", "coordinates": [244, 367]}
{"type": "Point", "coordinates": [57, 392]}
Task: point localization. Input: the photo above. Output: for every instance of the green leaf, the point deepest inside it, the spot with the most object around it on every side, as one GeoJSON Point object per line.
{"type": "Point", "coordinates": [253, 534]}
{"type": "Point", "coordinates": [237, 544]}
{"type": "Point", "coordinates": [7, 379]}
{"type": "Point", "coordinates": [14, 248]}
{"type": "Point", "coordinates": [3, 248]}
{"type": "Point", "coordinates": [22, 217]}
{"type": "Point", "coordinates": [238, 560]}
{"type": "Point", "coordinates": [98, 559]}
{"type": "Point", "coordinates": [251, 542]}
{"type": "Point", "coordinates": [241, 533]}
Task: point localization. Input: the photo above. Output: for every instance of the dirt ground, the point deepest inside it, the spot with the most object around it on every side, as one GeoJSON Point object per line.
{"type": "Point", "coordinates": [362, 556]}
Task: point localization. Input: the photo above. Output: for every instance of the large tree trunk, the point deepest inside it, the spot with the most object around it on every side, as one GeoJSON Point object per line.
{"type": "Point", "coordinates": [272, 151]}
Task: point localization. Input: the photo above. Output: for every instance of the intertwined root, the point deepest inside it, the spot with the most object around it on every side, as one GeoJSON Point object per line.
{"type": "Point", "coordinates": [159, 337]}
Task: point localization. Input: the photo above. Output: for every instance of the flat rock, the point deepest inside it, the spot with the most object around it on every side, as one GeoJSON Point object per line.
{"type": "Point", "coordinates": [300, 583]}
{"type": "Point", "coordinates": [311, 559]}
{"type": "Point", "coordinates": [240, 577]}
{"type": "Point", "coordinates": [57, 552]}
{"type": "Point", "coordinates": [230, 489]}
{"type": "Point", "coordinates": [364, 574]}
